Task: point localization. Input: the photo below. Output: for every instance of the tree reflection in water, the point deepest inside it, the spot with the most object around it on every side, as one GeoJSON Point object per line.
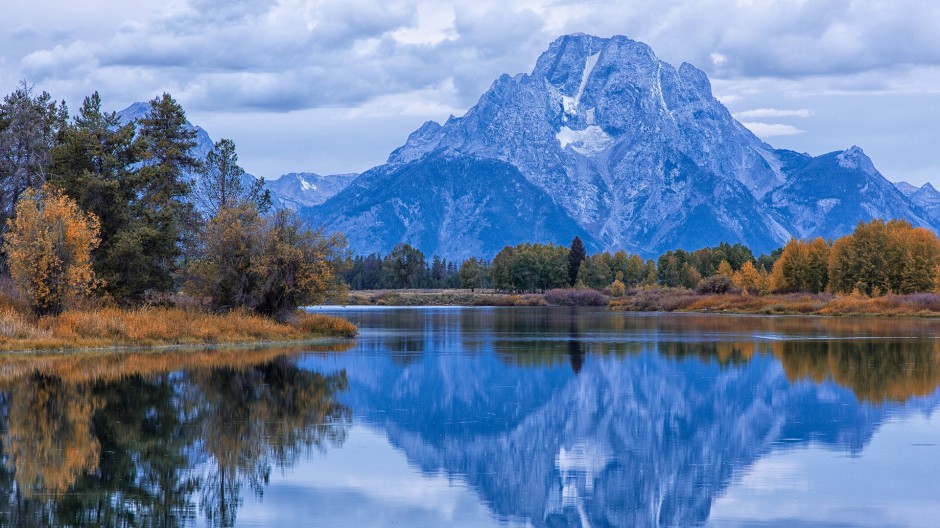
{"type": "Point", "coordinates": [158, 448]}
{"type": "Point", "coordinates": [655, 416]}
{"type": "Point", "coordinates": [878, 359]}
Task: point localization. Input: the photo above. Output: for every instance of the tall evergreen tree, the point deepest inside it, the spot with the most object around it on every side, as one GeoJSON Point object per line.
{"type": "Point", "coordinates": [94, 164]}
{"type": "Point", "coordinates": [29, 129]}
{"type": "Point", "coordinates": [576, 255]}
{"type": "Point", "coordinates": [222, 182]}
{"type": "Point", "coordinates": [166, 215]}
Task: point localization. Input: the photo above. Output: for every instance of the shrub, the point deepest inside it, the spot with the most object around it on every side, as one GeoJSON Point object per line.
{"type": "Point", "coordinates": [575, 297]}
{"type": "Point", "coordinates": [716, 284]}
{"type": "Point", "coordinates": [270, 265]}
{"type": "Point", "coordinates": [327, 325]}
{"type": "Point", "coordinates": [618, 289]}
{"type": "Point", "coordinates": [656, 300]}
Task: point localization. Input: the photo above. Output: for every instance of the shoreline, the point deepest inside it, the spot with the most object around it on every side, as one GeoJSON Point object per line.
{"type": "Point", "coordinates": [669, 300]}
{"type": "Point", "coordinates": [175, 347]}
{"type": "Point", "coordinates": [112, 329]}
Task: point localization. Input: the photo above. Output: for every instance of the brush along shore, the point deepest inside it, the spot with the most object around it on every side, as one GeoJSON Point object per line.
{"type": "Point", "coordinates": [149, 327]}
{"type": "Point", "coordinates": [665, 300]}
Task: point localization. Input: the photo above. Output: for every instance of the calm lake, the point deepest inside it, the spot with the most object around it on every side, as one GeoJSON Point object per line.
{"type": "Point", "coordinates": [489, 417]}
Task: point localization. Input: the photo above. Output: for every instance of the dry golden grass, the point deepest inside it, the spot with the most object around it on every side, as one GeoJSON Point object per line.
{"type": "Point", "coordinates": [677, 300]}
{"type": "Point", "coordinates": [753, 304]}
{"type": "Point", "coordinates": [108, 327]}
{"type": "Point", "coordinates": [332, 326]}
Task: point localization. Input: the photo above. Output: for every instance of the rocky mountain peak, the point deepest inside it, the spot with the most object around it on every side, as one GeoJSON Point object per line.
{"type": "Point", "coordinates": [855, 158]}
{"type": "Point", "coordinates": [637, 153]}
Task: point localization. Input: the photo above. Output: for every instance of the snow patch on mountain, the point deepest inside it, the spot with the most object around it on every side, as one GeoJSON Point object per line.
{"type": "Point", "coordinates": [571, 105]}
{"type": "Point", "coordinates": [591, 140]}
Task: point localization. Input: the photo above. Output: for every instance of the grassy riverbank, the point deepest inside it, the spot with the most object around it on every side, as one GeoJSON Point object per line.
{"type": "Point", "coordinates": [667, 300]}
{"type": "Point", "coordinates": [112, 327]}
{"type": "Point", "coordinates": [679, 300]}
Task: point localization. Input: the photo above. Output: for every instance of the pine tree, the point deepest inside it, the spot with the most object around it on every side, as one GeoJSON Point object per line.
{"type": "Point", "coordinates": [165, 216]}
{"type": "Point", "coordinates": [576, 255]}
{"type": "Point", "coordinates": [29, 127]}
{"type": "Point", "coordinates": [94, 164]}
{"type": "Point", "coordinates": [222, 183]}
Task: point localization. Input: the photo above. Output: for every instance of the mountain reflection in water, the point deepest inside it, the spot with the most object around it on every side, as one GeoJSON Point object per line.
{"type": "Point", "coordinates": [518, 416]}
{"type": "Point", "coordinates": [558, 417]}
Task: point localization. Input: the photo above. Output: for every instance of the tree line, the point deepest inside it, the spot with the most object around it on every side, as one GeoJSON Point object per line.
{"type": "Point", "coordinates": [407, 267]}
{"type": "Point", "coordinates": [878, 257]}
{"type": "Point", "coordinates": [124, 213]}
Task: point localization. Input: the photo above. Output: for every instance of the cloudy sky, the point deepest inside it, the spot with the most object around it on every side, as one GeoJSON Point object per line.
{"type": "Point", "coordinates": [334, 85]}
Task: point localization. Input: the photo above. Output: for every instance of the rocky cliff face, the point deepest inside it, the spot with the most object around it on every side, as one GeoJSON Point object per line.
{"type": "Point", "coordinates": [639, 154]}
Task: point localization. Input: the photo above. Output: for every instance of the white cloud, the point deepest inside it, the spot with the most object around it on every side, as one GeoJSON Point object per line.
{"type": "Point", "coordinates": [769, 130]}
{"type": "Point", "coordinates": [432, 101]}
{"type": "Point", "coordinates": [759, 113]}
{"type": "Point", "coordinates": [368, 58]}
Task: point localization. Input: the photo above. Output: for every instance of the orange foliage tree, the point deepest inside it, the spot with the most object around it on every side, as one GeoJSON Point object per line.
{"type": "Point", "coordinates": [747, 278]}
{"type": "Point", "coordinates": [881, 257]}
{"type": "Point", "coordinates": [803, 267]}
{"type": "Point", "coordinates": [269, 264]}
{"type": "Point", "coordinates": [48, 247]}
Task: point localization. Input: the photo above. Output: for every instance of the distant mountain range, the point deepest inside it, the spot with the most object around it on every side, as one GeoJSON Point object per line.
{"type": "Point", "coordinates": [632, 151]}
{"type": "Point", "coordinates": [293, 191]}
{"type": "Point", "coordinates": [605, 141]}
{"type": "Point", "coordinates": [305, 189]}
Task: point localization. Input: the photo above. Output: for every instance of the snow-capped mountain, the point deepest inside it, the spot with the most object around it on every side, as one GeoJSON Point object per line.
{"type": "Point", "coordinates": [633, 151]}
{"type": "Point", "coordinates": [304, 189]}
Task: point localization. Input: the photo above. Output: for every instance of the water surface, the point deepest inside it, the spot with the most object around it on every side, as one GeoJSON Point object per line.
{"type": "Point", "coordinates": [490, 417]}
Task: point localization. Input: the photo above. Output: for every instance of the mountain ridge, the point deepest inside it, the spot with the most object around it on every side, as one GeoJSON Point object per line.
{"type": "Point", "coordinates": [292, 190]}
{"type": "Point", "coordinates": [641, 155]}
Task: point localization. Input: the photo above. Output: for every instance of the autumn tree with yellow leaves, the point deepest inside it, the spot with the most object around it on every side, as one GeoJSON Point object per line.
{"type": "Point", "coordinates": [48, 249]}
{"type": "Point", "coordinates": [748, 278]}
{"type": "Point", "coordinates": [880, 257]}
{"type": "Point", "coordinates": [802, 267]}
{"type": "Point", "coordinates": [268, 264]}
